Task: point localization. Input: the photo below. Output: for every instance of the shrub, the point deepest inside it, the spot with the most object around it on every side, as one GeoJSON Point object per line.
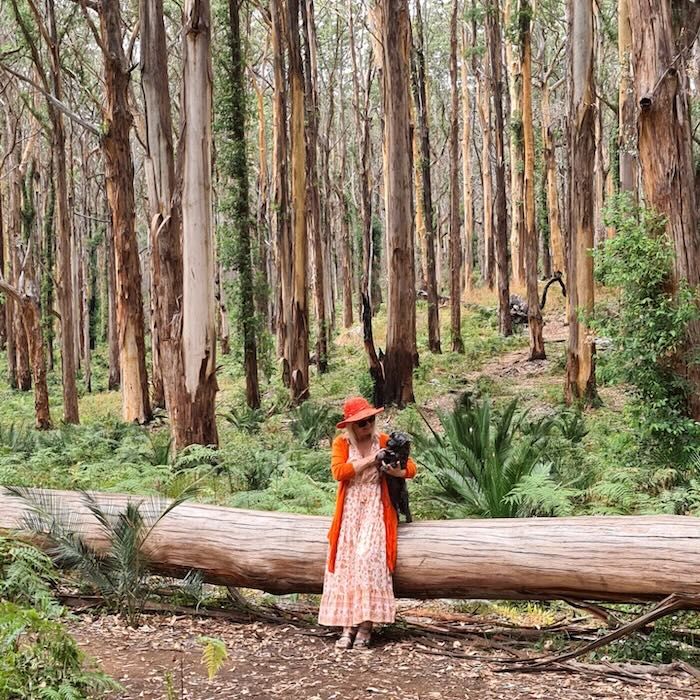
{"type": "Point", "coordinates": [245, 418]}
{"type": "Point", "coordinates": [38, 658]}
{"type": "Point", "coordinates": [486, 467]}
{"type": "Point", "coordinates": [119, 573]}
{"type": "Point", "coordinates": [313, 422]}
{"type": "Point", "coordinates": [648, 332]}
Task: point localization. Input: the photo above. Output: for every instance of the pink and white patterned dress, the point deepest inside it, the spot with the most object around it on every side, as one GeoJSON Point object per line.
{"type": "Point", "coordinates": [360, 589]}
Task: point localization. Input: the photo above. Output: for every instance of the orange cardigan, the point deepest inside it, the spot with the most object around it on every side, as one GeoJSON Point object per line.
{"type": "Point", "coordinates": [343, 471]}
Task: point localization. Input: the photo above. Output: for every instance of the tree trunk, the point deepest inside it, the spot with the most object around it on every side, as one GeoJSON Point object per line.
{"type": "Point", "coordinates": [517, 148]}
{"type": "Point", "coordinates": [194, 175]}
{"type": "Point", "coordinates": [241, 214]}
{"type": "Point", "coordinates": [119, 176]}
{"type": "Point", "coordinates": [534, 314]}
{"type": "Point", "coordinates": [468, 199]}
{"type": "Point", "coordinates": [21, 216]}
{"type": "Point", "coordinates": [556, 235]}
{"type": "Point", "coordinates": [580, 366]}
{"type": "Point", "coordinates": [299, 327]}
{"type": "Point", "coordinates": [262, 299]}
{"type": "Point", "coordinates": [346, 240]}
{"type": "Point", "coordinates": [280, 179]}
{"type": "Point", "coordinates": [29, 313]}
{"type": "Point", "coordinates": [393, 26]}
{"type": "Point", "coordinates": [32, 324]}
{"type": "Point", "coordinates": [312, 183]}
{"type": "Point", "coordinates": [665, 153]}
{"type": "Point", "coordinates": [47, 283]}
{"type": "Point", "coordinates": [112, 334]}
{"type": "Point", "coordinates": [455, 244]}
{"type": "Point", "coordinates": [627, 132]}
{"type": "Point", "coordinates": [484, 111]}
{"type": "Point", "coordinates": [493, 29]}
{"type": "Point", "coordinates": [65, 238]}
{"type": "Point", "coordinates": [628, 558]}
{"type": "Point", "coordinates": [191, 406]}
{"type": "Point", "coordinates": [425, 178]}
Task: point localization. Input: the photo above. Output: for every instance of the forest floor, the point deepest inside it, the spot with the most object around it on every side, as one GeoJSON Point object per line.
{"type": "Point", "coordinates": [162, 659]}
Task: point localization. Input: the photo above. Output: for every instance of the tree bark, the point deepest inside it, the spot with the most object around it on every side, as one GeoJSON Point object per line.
{"type": "Point", "coordinates": [299, 327]}
{"type": "Point", "coordinates": [627, 132]}
{"type": "Point", "coordinates": [622, 558]}
{"type": "Point", "coordinates": [65, 238]}
{"type": "Point", "coordinates": [20, 215]}
{"type": "Point", "coordinates": [514, 61]}
{"type": "Point", "coordinates": [455, 243]}
{"type": "Point", "coordinates": [114, 377]}
{"type": "Point", "coordinates": [346, 240]}
{"type": "Point", "coordinates": [534, 314]}
{"type": "Point", "coordinates": [665, 153]}
{"type": "Point", "coordinates": [493, 29]}
{"type": "Point", "coordinates": [393, 26]}
{"type": "Point", "coordinates": [119, 176]}
{"type": "Point", "coordinates": [312, 184]}
{"type": "Point", "coordinates": [29, 312]}
{"type": "Point", "coordinates": [467, 186]}
{"type": "Point", "coordinates": [484, 112]}
{"type": "Point", "coordinates": [423, 175]}
{"type": "Point", "coordinates": [191, 408]}
{"type": "Point", "coordinates": [241, 214]}
{"type": "Point", "coordinates": [580, 366]}
{"type": "Point", "coordinates": [194, 175]}
{"type": "Point", "coordinates": [556, 235]}
{"type": "Point", "coordinates": [280, 179]}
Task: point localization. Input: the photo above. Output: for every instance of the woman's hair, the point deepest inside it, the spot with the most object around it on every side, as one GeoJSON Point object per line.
{"type": "Point", "coordinates": [350, 433]}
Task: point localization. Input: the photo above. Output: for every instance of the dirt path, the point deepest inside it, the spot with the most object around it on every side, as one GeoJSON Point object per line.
{"type": "Point", "coordinates": [283, 661]}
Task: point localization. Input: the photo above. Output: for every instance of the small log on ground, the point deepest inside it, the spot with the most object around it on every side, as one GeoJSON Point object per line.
{"type": "Point", "coordinates": [630, 558]}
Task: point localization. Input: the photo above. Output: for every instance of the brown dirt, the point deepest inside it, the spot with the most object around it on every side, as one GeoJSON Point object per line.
{"type": "Point", "coordinates": [271, 661]}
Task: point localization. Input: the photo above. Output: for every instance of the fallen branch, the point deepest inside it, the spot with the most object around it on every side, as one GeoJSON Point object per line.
{"type": "Point", "coordinates": [669, 605]}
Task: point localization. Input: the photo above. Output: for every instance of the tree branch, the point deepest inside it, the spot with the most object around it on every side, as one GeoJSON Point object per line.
{"type": "Point", "coordinates": [55, 102]}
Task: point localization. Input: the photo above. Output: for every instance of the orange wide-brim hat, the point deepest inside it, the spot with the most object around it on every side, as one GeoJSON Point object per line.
{"type": "Point", "coordinates": [357, 409]}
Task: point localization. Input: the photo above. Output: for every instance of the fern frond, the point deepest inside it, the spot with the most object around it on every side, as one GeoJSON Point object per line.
{"type": "Point", "coordinates": [214, 654]}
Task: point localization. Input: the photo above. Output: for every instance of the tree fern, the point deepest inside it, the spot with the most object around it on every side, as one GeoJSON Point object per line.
{"type": "Point", "coordinates": [214, 654]}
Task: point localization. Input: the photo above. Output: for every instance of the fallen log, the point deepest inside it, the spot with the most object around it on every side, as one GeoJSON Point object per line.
{"type": "Point", "coordinates": [630, 558]}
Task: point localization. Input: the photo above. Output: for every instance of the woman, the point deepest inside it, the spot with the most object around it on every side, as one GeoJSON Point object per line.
{"type": "Point", "coordinates": [357, 588]}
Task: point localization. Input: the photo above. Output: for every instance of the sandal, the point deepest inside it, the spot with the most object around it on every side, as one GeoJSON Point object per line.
{"type": "Point", "coordinates": [346, 639]}
{"type": "Point", "coordinates": [361, 643]}
{"type": "Point", "coordinates": [363, 637]}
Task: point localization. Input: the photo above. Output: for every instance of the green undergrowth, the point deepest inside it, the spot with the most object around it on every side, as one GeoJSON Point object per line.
{"type": "Point", "coordinates": [276, 458]}
{"type": "Point", "coordinates": [38, 658]}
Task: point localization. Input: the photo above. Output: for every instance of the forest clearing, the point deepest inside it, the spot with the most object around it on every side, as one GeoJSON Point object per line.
{"type": "Point", "coordinates": [349, 349]}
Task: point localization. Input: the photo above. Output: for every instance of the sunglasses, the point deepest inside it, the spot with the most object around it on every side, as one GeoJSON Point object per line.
{"type": "Point", "coordinates": [366, 421]}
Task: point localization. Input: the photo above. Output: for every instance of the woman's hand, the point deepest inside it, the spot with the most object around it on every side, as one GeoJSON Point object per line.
{"type": "Point", "coordinates": [365, 463]}
{"type": "Point", "coordinates": [395, 471]}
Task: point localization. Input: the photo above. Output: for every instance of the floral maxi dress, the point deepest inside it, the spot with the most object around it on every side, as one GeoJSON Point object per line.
{"type": "Point", "coordinates": [360, 589]}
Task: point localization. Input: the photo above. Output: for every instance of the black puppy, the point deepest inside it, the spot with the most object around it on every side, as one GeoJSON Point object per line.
{"type": "Point", "coordinates": [395, 454]}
